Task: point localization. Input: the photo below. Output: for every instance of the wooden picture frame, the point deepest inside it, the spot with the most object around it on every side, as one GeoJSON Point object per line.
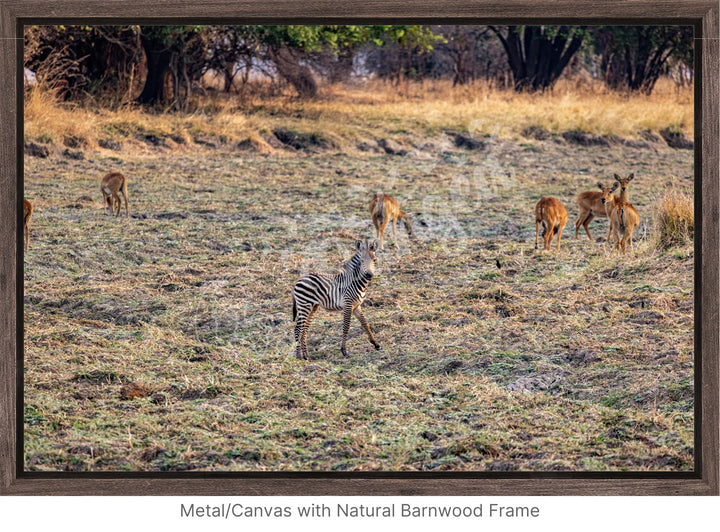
{"type": "Point", "coordinates": [701, 14]}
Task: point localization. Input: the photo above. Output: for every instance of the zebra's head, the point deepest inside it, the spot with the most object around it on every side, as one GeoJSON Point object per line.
{"type": "Point", "coordinates": [366, 254]}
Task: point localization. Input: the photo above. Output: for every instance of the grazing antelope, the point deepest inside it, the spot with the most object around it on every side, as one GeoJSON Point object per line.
{"type": "Point", "coordinates": [111, 185]}
{"type": "Point", "coordinates": [623, 220]}
{"type": "Point", "coordinates": [28, 210]}
{"type": "Point", "coordinates": [344, 291]}
{"type": "Point", "coordinates": [553, 216]}
{"type": "Point", "coordinates": [384, 208]}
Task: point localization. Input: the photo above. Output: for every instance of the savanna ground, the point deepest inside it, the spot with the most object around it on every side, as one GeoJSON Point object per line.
{"type": "Point", "coordinates": [165, 342]}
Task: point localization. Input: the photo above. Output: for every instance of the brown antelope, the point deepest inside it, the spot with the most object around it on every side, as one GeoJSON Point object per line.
{"type": "Point", "coordinates": [590, 204]}
{"type": "Point", "coordinates": [553, 216]}
{"type": "Point", "coordinates": [623, 220]}
{"type": "Point", "coordinates": [28, 208]}
{"type": "Point", "coordinates": [384, 208]}
{"type": "Point", "coordinates": [111, 185]}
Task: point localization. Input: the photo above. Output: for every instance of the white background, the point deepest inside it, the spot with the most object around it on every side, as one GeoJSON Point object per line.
{"type": "Point", "coordinates": [576, 514]}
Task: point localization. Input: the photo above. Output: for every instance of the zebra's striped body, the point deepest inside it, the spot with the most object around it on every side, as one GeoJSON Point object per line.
{"type": "Point", "coordinates": [344, 291]}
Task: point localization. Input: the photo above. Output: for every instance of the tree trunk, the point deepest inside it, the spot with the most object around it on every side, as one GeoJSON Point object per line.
{"type": "Point", "coordinates": [298, 75]}
{"type": "Point", "coordinates": [158, 56]}
{"type": "Point", "coordinates": [537, 58]}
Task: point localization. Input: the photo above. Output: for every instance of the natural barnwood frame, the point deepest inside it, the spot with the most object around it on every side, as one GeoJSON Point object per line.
{"type": "Point", "coordinates": [702, 14]}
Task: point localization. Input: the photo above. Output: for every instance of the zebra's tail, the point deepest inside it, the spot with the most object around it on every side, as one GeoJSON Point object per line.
{"type": "Point", "coordinates": [294, 309]}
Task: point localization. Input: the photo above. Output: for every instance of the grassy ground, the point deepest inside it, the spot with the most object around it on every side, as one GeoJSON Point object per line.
{"type": "Point", "coordinates": [165, 342]}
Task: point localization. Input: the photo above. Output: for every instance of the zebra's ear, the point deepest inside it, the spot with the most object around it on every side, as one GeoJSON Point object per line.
{"type": "Point", "coordinates": [374, 245]}
{"type": "Point", "coordinates": [358, 244]}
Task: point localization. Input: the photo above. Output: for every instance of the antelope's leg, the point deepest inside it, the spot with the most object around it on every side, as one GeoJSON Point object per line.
{"type": "Point", "coordinates": [586, 224]}
{"type": "Point", "coordinates": [560, 235]}
{"type": "Point", "coordinates": [547, 237]}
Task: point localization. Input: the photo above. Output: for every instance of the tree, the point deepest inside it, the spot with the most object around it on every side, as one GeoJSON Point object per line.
{"type": "Point", "coordinates": [76, 61]}
{"type": "Point", "coordinates": [294, 49]}
{"type": "Point", "coordinates": [402, 51]}
{"type": "Point", "coordinates": [177, 50]}
{"type": "Point", "coordinates": [634, 57]}
{"type": "Point", "coordinates": [463, 47]}
{"type": "Point", "coordinates": [230, 50]}
{"type": "Point", "coordinates": [537, 55]}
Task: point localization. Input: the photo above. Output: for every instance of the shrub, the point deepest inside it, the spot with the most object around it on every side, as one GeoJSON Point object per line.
{"type": "Point", "coordinates": [674, 219]}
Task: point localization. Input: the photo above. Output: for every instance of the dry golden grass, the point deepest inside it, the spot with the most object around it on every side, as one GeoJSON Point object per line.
{"type": "Point", "coordinates": [347, 113]}
{"type": "Point", "coordinates": [674, 220]}
{"type": "Point", "coordinates": [483, 109]}
{"type": "Point", "coordinates": [495, 357]}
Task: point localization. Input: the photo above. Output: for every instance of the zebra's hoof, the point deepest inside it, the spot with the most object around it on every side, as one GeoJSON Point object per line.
{"type": "Point", "coordinates": [343, 351]}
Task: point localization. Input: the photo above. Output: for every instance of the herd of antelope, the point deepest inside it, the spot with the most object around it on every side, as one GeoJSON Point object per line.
{"type": "Point", "coordinates": [346, 290]}
{"type": "Point", "coordinates": [624, 219]}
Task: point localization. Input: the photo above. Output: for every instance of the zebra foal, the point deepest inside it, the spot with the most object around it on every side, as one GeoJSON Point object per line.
{"type": "Point", "coordinates": [344, 291]}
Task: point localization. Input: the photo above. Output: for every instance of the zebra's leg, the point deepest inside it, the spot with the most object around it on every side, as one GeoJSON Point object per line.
{"type": "Point", "coordinates": [347, 315]}
{"type": "Point", "coordinates": [304, 317]}
{"type": "Point", "coordinates": [361, 318]}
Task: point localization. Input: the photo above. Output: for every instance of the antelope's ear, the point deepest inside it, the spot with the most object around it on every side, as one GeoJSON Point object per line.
{"type": "Point", "coordinates": [614, 187]}
{"type": "Point", "coordinates": [631, 177]}
{"type": "Point", "coordinates": [617, 177]}
{"type": "Point", "coordinates": [358, 244]}
{"type": "Point", "coordinates": [600, 186]}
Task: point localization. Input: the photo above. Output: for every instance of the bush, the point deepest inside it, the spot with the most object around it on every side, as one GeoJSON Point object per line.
{"type": "Point", "coordinates": [674, 219]}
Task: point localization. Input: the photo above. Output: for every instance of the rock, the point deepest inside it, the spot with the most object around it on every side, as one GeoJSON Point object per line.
{"type": "Point", "coordinates": [391, 147]}
{"type": "Point", "coordinates": [36, 150]}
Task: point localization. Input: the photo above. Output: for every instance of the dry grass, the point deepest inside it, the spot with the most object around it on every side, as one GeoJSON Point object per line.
{"type": "Point", "coordinates": [346, 115]}
{"type": "Point", "coordinates": [674, 221]}
{"type": "Point", "coordinates": [495, 357]}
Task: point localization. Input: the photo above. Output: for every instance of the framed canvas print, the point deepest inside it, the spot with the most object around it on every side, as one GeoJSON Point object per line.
{"type": "Point", "coordinates": [272, 248]}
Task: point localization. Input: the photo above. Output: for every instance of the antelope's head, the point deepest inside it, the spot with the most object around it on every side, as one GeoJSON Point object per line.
{"type": "Point", "coordinates": [407, 220]}
{"type": "Point", "coordinates": [623, 181]}
{"type": "Point", "coordinates": [607, 192]}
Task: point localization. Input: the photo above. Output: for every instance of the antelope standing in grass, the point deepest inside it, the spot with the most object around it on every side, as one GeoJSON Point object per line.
{"type": "Point", "coordinates": [111, 185]}
{"type": "Point", "coordinates": [623, 219]}
{"type": "Point", "coordinates": [590, 204]}
{"type": "Point", "coordinates": [344, 291]}
{"type": "Point", "coordinates": [552, 215]}
{"type": "Point", "coordinates": [28, 210]}
{"type": "Point", "coordinates": [383, 209]}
